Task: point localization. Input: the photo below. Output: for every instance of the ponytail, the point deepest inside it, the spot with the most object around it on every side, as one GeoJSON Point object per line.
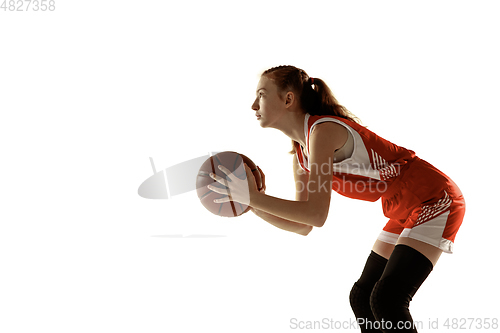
{"type": "Point", "coordinates": [315, 97]}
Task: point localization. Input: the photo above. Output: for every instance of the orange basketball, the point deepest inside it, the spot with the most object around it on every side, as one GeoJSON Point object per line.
{"type": "Point", "coordinates": [234, 162]}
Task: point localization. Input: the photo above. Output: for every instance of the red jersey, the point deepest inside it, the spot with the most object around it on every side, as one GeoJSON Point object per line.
{"type": "Point", "coordinates": [421, 202]}
{"type": "Point", "coordinates": [372, 167]}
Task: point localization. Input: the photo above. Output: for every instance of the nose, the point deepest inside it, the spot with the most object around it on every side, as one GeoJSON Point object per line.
{"type": "Point", "coordinates": [255, 105]}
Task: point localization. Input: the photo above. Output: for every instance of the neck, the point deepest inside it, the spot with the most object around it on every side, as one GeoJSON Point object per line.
{"type": "Point", "coordinates": [294, 128]}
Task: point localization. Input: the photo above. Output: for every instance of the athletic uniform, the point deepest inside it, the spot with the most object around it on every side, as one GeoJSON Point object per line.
{"type": "Point", "coordinates": [420, 201]}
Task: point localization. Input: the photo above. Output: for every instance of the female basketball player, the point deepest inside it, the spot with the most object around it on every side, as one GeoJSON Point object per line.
{"type": "Point", "coordinates": [333, 151]}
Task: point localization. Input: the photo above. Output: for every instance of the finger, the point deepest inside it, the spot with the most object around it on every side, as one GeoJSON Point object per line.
{"type": "Point", "coordinates": [261, 172]}
{"type": "Point", "coordinates": [249, 172]}
{"type": "Point", "coordinates": [218, 179]}
{"type": "Point", "coordinates": [250, 176]}
{"type": "Point", "coordinates": [263, 177]}
{"type": "Point", "coordinates": [229, 173]}
{"type": "Point", "coordinates": [222, 200]}
{"type": "Point", "coordinates": [225, 170]}
{"type": "Point", "coordinates": [217, 189]}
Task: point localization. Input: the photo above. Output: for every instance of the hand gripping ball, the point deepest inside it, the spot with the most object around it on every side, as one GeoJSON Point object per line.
{"type": "Point", "coordinates": [234, 162]}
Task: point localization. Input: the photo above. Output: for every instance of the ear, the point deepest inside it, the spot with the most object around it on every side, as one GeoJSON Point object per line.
{"type": "Point", "coordinates": [289, 99]}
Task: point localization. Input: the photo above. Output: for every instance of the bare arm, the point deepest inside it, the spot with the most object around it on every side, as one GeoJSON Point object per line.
{"type": "Point", "coordinates": [324, 140]}
{"type": "Point", "coordinates": [299, 228]}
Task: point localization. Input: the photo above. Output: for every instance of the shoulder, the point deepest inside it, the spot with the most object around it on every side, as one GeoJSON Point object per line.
{"type": "Point", "coordinates": [329, 134]}
{"type": "Point", "coordinates": [328, 127]}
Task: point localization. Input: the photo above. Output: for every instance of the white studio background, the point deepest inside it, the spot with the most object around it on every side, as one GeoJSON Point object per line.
{"type": "Point", "coordinates": [91, 90]}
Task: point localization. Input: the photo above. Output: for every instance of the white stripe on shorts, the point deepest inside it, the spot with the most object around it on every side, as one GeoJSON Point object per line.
{"type": "Point", "coordinates": [388, 237]}
{"type": "Point", "coordinates": [431, 232]}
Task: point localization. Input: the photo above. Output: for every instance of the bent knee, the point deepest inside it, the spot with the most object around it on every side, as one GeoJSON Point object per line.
{"type": "Point", "coordinates": [388, 298]}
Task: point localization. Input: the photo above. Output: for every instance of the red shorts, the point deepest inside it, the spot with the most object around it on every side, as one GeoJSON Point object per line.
{"type": "Point", "coordinates": [423, 204]}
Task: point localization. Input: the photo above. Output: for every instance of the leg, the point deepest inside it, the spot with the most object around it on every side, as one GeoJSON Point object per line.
{"type": "Point", "coordinates": [383, 249]}
{"type": "Point", "coordinates": [430, 252]}
{"type": "Point", "coordinates": [362, 289]}
{"type": "Point", "coordinates": [405, 272]}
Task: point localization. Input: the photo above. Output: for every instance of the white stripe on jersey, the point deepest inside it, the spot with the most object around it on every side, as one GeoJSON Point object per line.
{"type": "Point", "coordinates": [431, 211]}
{"type": "Point", "coordinates": [359, 162]}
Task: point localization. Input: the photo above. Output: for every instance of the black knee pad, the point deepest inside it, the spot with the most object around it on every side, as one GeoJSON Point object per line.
{"type": "Point", "coordinates": [360, 292]}
{"type": "Point", "coordinates": [360, 304]}
{"type": "Point", "coordinates": [389, 298]}
{"type": "Point", "coordinates": [359, 297]}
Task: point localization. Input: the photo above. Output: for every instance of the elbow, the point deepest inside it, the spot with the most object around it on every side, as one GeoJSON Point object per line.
{"type": "Point", "coordinates": [306, 230]}
{"type": "Point", "coordinates": [318, 213]}
{"type": "Point", "coordinates": [320, 223]}
{"type": "Point", "coordinates": [319, 220]}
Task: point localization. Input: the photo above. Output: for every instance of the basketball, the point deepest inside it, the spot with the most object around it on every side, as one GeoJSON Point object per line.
{"type": "Point", "coordinates": [234, 162]}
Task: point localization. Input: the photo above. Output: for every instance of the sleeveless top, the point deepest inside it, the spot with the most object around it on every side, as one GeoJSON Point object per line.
{"type": "Point", "coordinates": [368, 164]}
